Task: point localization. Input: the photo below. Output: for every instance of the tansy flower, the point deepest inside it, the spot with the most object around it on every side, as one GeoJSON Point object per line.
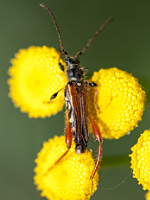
{"type": "Point", "coordinates": [140, 160]}
{"type": "Point", "coordinates": [147, 195]}
{"type": "Point", "coordinates": [70, 178]}
{"type": "Point", "coordinates": [119, 102]}
{"type": "Point", "coordinates": [35, 77]}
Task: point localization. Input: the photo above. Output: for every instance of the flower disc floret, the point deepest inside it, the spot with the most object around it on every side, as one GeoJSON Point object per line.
{"type": "Point", "coordinates": [70, 178]}
{"type": "Point", "coordinates": [140, 160]}
{"type": "Point", "coordinates": [119, 103]}
{"type": "Point", "coordinates": [35, 77]}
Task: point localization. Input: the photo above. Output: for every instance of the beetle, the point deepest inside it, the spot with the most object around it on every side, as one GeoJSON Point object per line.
{"type": "Point", "coordinates": [76, 99]}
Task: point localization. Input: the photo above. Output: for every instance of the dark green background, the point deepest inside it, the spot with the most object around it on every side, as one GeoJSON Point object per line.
{"type": "Point", "coordinates": [124, 43]}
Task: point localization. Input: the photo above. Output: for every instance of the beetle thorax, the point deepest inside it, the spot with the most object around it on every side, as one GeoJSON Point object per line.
{"type": "Point", "coordinates": [74, 71]}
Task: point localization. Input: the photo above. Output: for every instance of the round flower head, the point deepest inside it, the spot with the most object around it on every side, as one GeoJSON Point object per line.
{"type": "Point", "coordinates": [35, 77]}
{"type": "Point", "coordinates": [147, 195]}
{"type": "Point", "coordinates": [69, 178]}
{"type": "Point", "coordinates": [119, 103]}
{"type": "Point", "coordinates": [140, 160]}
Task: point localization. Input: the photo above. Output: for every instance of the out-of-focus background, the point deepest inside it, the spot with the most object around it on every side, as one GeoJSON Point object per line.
{"type": "Point", "coordinates": [124, 43]}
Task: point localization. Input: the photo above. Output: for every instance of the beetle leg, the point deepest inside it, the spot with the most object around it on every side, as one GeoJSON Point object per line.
{"type": "Point", "coordinates": [92, 84]}
{"type": "Point", "coordinates": [68, 140]}
{"type": "Point", "coordinates": [95, 97]}
{"type": "Point", "coordinates": [53, 96]}
{"type": "Point", "coordinates": [60, 65]}
{"type": "Point", "coordinates": [59, 53]}
{"type": "Point", "coordinates": [98, 137]}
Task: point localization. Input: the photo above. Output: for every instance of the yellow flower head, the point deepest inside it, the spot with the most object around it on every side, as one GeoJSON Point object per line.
{"type": "Point", "coordinates": [70, 178]}
{"type": "Point", "coordinates": [35, 77]}
{"type": "Point", "coordinates": [140, 160]}
{"type": "Point", "coordinates": [147, 195]}
{"type": "Point", "coordinates": [119, 102]}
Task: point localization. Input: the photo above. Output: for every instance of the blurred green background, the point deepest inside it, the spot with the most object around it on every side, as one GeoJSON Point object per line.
{"type": "Point", "coordinates": [124, 43]}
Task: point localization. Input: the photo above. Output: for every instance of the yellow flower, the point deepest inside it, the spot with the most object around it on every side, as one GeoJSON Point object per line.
{"type": "Point", "coordinates": [119, 103]}
{"type": "Point", "coordinates": [70, 178]}
{"type": "Point", "coordinates": [147, 195]}
{"type": "Point", "coordinates": [35, 77]}
{"type": "Point", "coordinates": [140, 160]}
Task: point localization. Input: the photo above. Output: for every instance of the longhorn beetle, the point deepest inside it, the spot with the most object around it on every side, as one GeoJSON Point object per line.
{"type": "Point", "coordinates": [76, 98]}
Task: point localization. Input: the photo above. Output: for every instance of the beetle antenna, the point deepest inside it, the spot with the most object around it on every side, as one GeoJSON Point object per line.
{"type": "Point", "coordinates": [94, 36]}
{"type": "Point", "coordinates": [57, 29]}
